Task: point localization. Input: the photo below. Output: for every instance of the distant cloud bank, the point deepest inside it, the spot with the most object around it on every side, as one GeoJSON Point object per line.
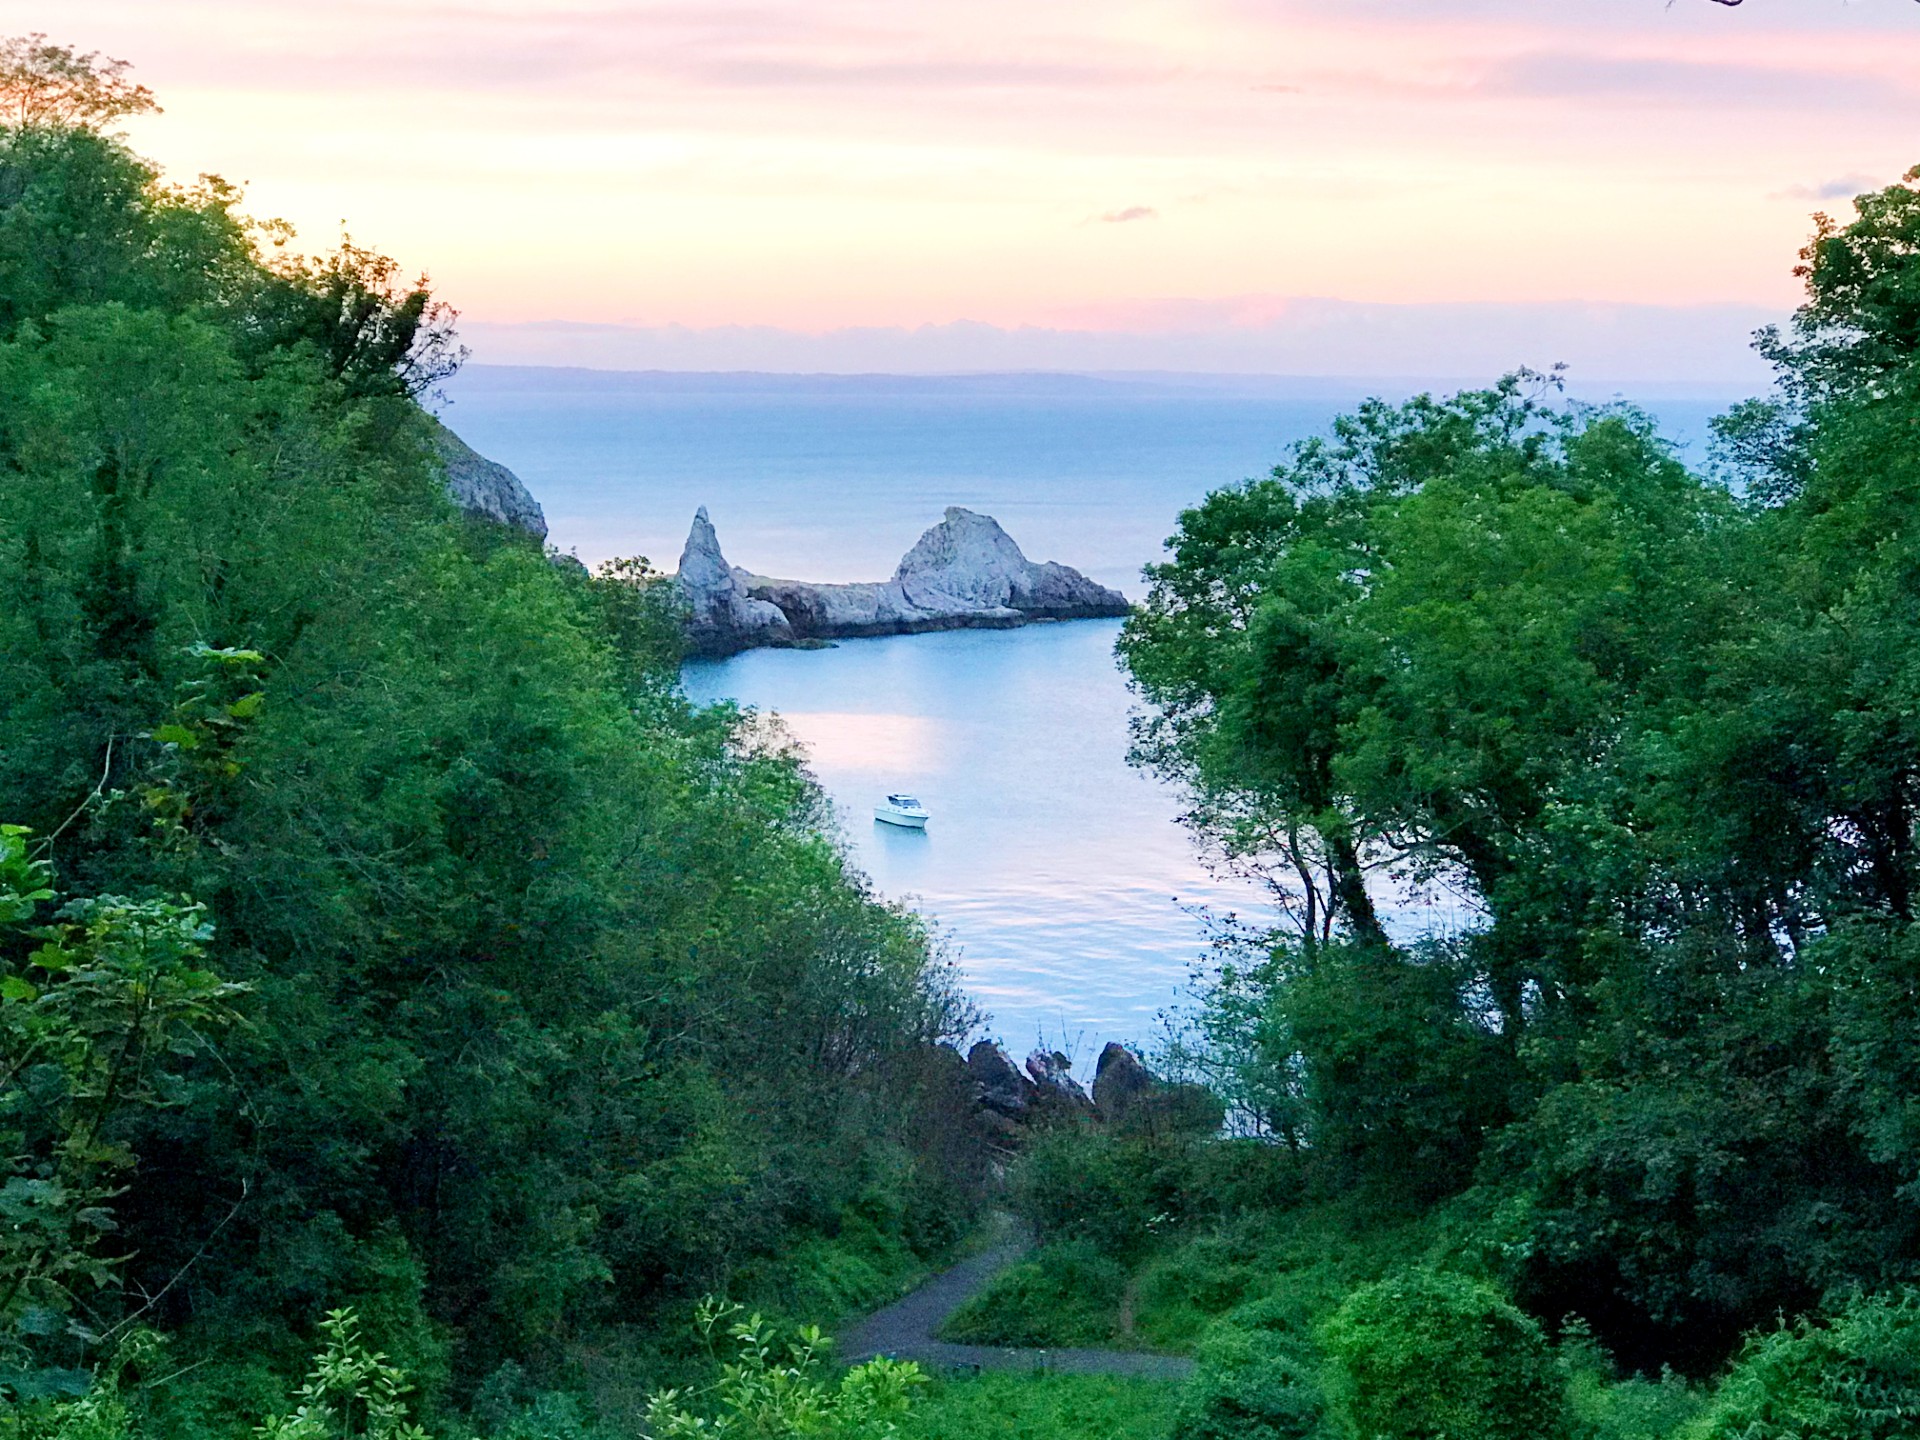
{"type": "Point", "coordinates": [1707, 345]}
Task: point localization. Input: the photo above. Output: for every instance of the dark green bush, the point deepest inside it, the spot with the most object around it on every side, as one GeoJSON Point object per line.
{"type": "Point", "coordinates": [1424, 1355]}
{"type": "Point", "coordinates": [1258, 1378]}
{"type": "Point", "coordinates": [1855, 1378]}
{"type": "Point", "coordinates": [1115, 1192]}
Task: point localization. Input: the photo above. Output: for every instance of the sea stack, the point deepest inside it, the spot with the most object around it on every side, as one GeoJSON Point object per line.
{"type": "Point", "coordinates": [721, 617]}
{"type": "Point", "coordinates": [966, 572]}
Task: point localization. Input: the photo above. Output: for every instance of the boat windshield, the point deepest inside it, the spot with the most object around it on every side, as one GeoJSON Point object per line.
{"type": "Point", "coordinates": [905, 802]}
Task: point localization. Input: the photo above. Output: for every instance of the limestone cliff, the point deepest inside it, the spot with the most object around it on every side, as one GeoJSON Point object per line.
{"type": "Point", "coordinates": [965, 572]}
{"type": "Point", "coordinates": [486, 488]}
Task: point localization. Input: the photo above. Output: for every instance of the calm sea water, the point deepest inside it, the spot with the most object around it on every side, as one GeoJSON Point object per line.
{"type": "Point", "coordinates": [1058, 875]}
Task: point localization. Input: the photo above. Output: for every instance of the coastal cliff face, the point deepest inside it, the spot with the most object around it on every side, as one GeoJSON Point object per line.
{"type": "Point", "coordinates": [486, 488]}
{"type": "Point", "coordinates": [966, 572]}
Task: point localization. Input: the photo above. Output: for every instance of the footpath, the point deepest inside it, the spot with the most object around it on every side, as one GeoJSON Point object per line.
{"type": "Point", "coordinates": [905, 1330]}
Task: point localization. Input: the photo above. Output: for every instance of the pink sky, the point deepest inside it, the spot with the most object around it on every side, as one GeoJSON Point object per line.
{"type": "Point", "coordinates": [1117, 165]}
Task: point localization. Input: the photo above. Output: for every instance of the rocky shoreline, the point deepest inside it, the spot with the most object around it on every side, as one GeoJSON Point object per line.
{"type": "Point", "coordinates": [964, 573]}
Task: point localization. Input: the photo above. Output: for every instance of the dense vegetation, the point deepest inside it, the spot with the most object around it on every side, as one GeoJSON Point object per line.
{"type": "Point", "coordinates": [394, 969]}
{"type": "Point", "coordinates": [381, 929]}
{"type": "Point", "coordinates": [1653, 730]}
{"type": "Point", "coordinates": [1628, 1147]}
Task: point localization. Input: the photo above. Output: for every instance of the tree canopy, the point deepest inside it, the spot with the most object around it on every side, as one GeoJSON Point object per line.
{"type": "Point", "coordinates": [1652, 730]}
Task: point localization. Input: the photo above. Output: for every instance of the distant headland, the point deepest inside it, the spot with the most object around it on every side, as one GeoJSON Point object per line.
{"type": "Point", "coordinates": [964, 573]}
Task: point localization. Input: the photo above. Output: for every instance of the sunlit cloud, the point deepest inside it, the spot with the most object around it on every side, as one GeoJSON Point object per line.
{"type": "Point", "coordinates": [823, 166]}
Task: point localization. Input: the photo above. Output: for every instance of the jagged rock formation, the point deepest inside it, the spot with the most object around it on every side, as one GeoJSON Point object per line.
{"type": "Point", "coordinates": [486, 488]}
{"type": "Point", "coordinates": [1055, 1090]}
{"type": "Point", "coordinates": [1128, 1098]}
{"type": "Point", "coordinates": [721, 617]}
{"type": "Point", "coordinates": [965, 572]}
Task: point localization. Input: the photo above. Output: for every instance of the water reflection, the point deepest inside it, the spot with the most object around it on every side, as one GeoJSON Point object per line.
{"type": "Point", "coordinates": [1059, 872]}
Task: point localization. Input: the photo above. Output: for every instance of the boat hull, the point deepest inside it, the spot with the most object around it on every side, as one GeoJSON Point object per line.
{"type": "Point", "coordinates": [895, 817]}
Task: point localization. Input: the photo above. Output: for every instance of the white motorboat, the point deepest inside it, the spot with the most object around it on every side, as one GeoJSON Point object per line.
{"type": "Point", "coordinates": [902, 810]}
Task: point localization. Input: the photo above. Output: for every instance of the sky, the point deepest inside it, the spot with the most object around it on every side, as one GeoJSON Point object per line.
{"type": "Point", "coordinates": [1302, 186]}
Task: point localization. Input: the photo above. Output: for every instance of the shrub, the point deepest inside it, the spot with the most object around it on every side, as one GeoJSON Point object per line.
{"type": "Point", "coordinates": [1258, 1378]}
{"type": "Point", "coordinates": [1423, 1355]}
{"type": "Point", "coordinates": [772, 1392]}
{"type": "Point", "coordinates": [1855, 1378]}
{"type": "Point", "coordinates": [351, 1394]}
{"type": "Point", "coordinates": [1068, 1294]}
{"type": "Point", "coordinates": [1111, 1191]}
{"type": "Point", "coordinates": [1043, 1407]}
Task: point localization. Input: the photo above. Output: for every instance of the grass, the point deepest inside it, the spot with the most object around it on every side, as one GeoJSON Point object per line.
{"type": "Point", "coordinates": [1071, 1294]}
{"type": "Point", "coordinates": [1066, 1295]}
{"type": "Point", "coordinates": [1043, 1407]}
{"type": "Point", "coordinates": [1310, 1257]}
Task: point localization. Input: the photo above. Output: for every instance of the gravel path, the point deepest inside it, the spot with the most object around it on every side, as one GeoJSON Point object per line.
{"type": "Point", "coordinates": [905, 1331]}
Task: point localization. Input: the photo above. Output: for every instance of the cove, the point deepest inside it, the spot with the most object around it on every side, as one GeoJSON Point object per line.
{"type": "Point", "coordinates": [1057, 873]}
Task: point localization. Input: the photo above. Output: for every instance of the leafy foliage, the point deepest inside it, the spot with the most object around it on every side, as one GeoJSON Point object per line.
{"type": "Point", "coordinates": [351, 1394]}
{"type": "Point", "coordinates": [1655, 736]}
{"type": "Point", "coordinates": [99, 1010]}
{"type": "Point", "coordinates": [1854, 1377]}
{"type": "Point", "coordinates": [1254, 1380]}
{"type": "Point", "coordinates": [1043, 1407]}
{"type": "Point", "coordinates": [564, 1005]}
{"type": "Point", "coordinates": [1068, 1295]}
{"type": "Point", "coordinates": [43, 84]}
{"type": "Point", "coordinates": [778, 1392]}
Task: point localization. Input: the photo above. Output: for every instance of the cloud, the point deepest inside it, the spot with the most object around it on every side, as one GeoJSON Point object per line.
{"type": "Point", "coordinates": [1132, 212]}
{"type": "Point", "coordinates": [1844, 188]}
{"type": "Point", "coordinates": [1562, 75]}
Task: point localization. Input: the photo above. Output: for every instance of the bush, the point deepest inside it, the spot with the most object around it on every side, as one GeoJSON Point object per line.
{"type": "Point", "coordinates": [1423, 1355]}
{"type": "Point", "coordinates": [1258, 1378]}
{"type": "Point", "coordinates": [1116, 1193]}
{"type": "Point", "coordinates": [1068, 1294]}
{"type": "Point", "coordinates": [1855, 1378]}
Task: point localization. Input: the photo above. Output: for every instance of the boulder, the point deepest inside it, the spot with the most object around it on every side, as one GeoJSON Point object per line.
{"type": "Point", "coordinates": [721, 617]}
{"type": "Point", "coordinates": [1119, 1079]}
{"type": "Point", "coordinates": [486, 488]}
{"type": "Point", "coordinates": [1056, 1092]}
{"type": "Point", "coordinates": [998, 1084]}
{"type": "Point", "coordinates": [968, 563]}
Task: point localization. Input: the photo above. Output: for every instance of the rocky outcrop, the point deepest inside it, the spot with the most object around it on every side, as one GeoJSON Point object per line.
{"type": "Point", "coordinates": [1056, 1093]}
{"type": "Point", "coordinates": [486, 488]}
{"type": "Point", "coordinates": [966, 572]}
{"type": "Point", "coordinates": [1127, 1099]}
{"type": "Point", "coordinates": [997, 1085]}
{"type": "Point", "coordinates": [1119, 1079]}
{"type": "Point", "coordinates": [721, 617]}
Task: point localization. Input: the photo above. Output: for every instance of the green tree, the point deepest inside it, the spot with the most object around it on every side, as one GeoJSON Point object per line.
{"type": "Point", "coordinates": [43, 84]}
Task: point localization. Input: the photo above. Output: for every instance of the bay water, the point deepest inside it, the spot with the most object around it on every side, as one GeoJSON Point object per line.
{"type": "Point", "coordinates": [1057, 875]}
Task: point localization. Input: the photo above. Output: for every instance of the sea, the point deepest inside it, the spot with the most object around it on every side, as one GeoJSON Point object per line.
{"type": "Point", "coordinates": [1054, 874]}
